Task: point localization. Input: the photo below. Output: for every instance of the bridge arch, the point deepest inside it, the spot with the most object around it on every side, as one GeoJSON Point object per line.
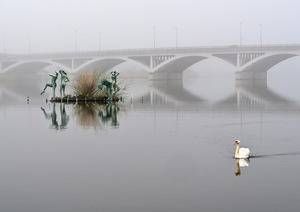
{"type": "Point", "coordinates": [258, 67]}
{"type": "Point", "coordinates": [250, 62]}
{"type": "Point", "coordinates": [179, 64]}
{"type": "Point", "coordinates": [145, 66]}
{"type": "Point", "coordinates": [174, 67]}
{"type": "Point", "coordinates": [38, 64]}
{"type": "Point", "coordinates": [264, 63]}
{"type": "Point", "coordinates": [104, 64]}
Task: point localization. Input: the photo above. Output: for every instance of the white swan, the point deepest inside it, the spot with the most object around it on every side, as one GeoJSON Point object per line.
{"type": "Point", "coordinates": [241, 153]}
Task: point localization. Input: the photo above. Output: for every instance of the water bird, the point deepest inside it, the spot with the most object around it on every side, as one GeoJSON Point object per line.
{"type": "Point", "coordinates": [241, 153]}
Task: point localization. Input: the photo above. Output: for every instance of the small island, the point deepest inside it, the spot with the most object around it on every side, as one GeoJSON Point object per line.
{"type": "Point", "coordinates": [86, 87]}
{"type": "Point", "coordinates": [71, 99]}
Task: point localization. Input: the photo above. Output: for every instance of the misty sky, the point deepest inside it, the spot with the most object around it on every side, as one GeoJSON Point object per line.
{"type": "Point", "coordinates": [50, 25]}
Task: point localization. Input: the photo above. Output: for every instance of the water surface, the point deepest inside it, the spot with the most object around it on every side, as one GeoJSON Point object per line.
{"type": "Point", "coordinates": [168, 147]}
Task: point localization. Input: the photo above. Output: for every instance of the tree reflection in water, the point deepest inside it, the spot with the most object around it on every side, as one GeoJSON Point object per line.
{"type": "Point", "coordinates": [97, 115]}
{"type": "Point", "coordinates": [89, 115]}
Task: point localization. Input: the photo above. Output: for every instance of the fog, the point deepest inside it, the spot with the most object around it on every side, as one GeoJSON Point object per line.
{"type": "Point", "coordinates": [33, 26]}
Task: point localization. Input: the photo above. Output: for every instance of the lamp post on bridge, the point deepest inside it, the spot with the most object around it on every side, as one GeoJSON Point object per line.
{"type": "Point", "coordinates": [154, 27]}
{"type": "Point", "coordinates": [29, 44]}
{"type": "Point", "coordinates": [176, 36]}
{"type": "Point", "coordinates": [76, 40]}
{"type": "Point", "coordinates": [241, 36]}
{"type": "Point", "coordinates": [99, 33]}
{"type": "Point", "coordinates": [260, 27]}
{"type": "Point", "coordinates": [3, 43]}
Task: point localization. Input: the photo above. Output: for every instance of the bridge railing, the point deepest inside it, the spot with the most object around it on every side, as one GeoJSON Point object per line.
{"type": "Point", "coordinates": [147, 51]}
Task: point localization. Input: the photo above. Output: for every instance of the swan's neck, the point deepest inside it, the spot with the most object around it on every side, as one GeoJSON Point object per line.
{"type": "Point", "coordinates": [237, 149]}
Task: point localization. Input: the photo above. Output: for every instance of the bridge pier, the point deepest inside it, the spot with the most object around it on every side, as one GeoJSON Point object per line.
{"type": "Point", "coordinates": [165, 76]}
{"type": "Point", "coordinates": [246, 75]}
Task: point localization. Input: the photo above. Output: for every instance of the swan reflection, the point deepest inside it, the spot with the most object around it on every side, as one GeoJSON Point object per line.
{"type": "Point", "coordinates": [241, 163]}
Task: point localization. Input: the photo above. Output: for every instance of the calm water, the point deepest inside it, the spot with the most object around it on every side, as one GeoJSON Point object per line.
{"type": "Point", "coordinates": [168, 147]}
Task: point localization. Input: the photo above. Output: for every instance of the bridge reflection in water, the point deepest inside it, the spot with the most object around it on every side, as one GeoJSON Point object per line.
{"type": "Point", "coordinates": [244, 94]}
{"type": "Point", "coordinates": [171, 96]}
{"type": "Point", "coordinates": [247, 94]}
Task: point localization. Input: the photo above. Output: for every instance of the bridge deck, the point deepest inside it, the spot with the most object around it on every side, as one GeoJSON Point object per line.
{"type": "Point", "coordinates": [147, 51]}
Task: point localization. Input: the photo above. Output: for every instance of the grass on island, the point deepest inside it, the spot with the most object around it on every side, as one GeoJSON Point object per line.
{"type": "Point", "coordinates": [85, 86]}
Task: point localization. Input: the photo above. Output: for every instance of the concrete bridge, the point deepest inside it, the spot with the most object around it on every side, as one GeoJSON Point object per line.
{"type": "Point", "coordinates": [249, 62]}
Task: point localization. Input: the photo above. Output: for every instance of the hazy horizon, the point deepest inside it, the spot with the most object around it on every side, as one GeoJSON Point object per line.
{"type": "Point", "coordinates": [52, 26]}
